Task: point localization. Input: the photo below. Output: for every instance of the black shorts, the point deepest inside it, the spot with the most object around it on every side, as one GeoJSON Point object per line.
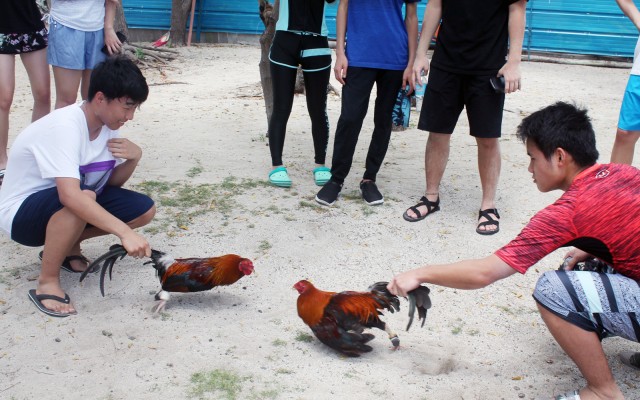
{"type": "Point", "coordinates": [291, 49]}
{"type": "Point", "coordinates": [19, 43]}
{"type": "Point", "coordinates": [448, 93]}
{"type": "Point", "coordinates": [30, 222]}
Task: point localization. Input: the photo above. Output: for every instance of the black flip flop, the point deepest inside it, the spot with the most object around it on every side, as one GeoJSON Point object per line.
{"type": "Point", "coordinates": [37, 300]}
{"type": "Point", "coordinates": [66, 263]}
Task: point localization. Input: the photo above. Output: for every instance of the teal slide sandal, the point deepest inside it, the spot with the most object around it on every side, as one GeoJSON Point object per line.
{"type": "Point", "coordinates": [321, 175]}
{"type": "Point", "coordinates": [280, 177]}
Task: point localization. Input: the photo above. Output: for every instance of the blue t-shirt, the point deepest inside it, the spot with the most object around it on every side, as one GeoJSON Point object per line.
{"type": "Point", "coordinates": [376, 34]}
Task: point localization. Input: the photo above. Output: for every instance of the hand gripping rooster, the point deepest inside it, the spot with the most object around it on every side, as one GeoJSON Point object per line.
{"type": "Point", "coordinates": [338, 319]}
{"type": "Point", "coordinates": [180, 274]}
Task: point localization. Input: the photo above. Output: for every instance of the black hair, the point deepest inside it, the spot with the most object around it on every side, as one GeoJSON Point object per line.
{"type": "Point", "coordinates": [561, 125]}
{"type": "Point", "coordinates": [118, 77]}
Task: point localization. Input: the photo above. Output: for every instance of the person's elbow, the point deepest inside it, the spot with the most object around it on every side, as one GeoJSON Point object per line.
{"type": "Point", "coordinates": [491, 270]}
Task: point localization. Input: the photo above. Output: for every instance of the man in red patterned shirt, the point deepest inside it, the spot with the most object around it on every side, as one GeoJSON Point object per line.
{"type": "Point", "coordinates": [580, 308]}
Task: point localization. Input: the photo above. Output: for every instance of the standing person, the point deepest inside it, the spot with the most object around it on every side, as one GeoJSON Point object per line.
{"type": "Point", "coordinates": [300, 40]}
{"type": "Point", "coordinates": [22, 32]}
{"type": "Point", "coordinates": [470, 50]}
{"type": "Point", "coordinates": [629, 121]}
{"type": "Point", "coordinates": [374, 44]}
{"type": "Point", "coordinates": [579, 307]}
{"type": "Point", "coordinates": [78, 29]}
{"type": "Point", "coordinates": [64, 181]}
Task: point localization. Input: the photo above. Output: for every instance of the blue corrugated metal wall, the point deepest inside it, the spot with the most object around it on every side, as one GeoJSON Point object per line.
{"type": "Point", "coordinates": [595, 27]}
{"type": "Point", "coordinates": [579, 26]}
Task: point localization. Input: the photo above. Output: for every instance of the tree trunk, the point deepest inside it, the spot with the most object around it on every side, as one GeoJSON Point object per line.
{"type": "Point", "coordinates": [120, 23]}
{"type": "Point", "coordinates": [179, 15]}
{"type": "Point", "coordinates": [269, 16]}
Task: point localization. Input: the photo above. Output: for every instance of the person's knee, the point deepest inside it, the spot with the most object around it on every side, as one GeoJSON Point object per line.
{"type": "Point", "coordinates": [42, 96]}
{"type": "Point", "coordinates": [6, 99]}
{"type": "Point", "coordinates": [488, 144]}
{"type": "Point", "coordinates": [147, 217]}
{"type": "Point", "coordinates": [438, 139]}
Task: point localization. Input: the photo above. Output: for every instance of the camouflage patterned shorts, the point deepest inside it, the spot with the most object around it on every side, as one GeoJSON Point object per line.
{"type": "Point", "coordinates": [18, 43]}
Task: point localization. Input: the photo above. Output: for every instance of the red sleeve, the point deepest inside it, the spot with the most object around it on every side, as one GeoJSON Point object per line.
{"type": "Point", "coordinates": [548, 230]}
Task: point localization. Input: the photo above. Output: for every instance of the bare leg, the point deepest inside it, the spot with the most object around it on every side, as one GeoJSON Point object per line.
{"type": "Point", "coordinates": [7, 88]}
{"type": "Point", "coordinates": [38, 70]}
{"type": "Point", "coordinates": [65, 232]}
{"type": "Point", "coordinates": [67, 82]}
{"type": "Point", "coordinates": [624, 146]}
{"type": "Point", "coordinates": [489, 163]}
{"type": "Point", "coordinates": [585, 349]}
{"type": "Point", "coordinates": [436, 156]}
{"type": "Point", "coordinates": [84, 87]}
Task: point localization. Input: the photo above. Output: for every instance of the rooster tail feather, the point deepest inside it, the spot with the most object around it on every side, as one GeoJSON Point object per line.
{"type": "Point", "coordinates": [114, 252]}
{"type": "Point", "coordinates": [418, 300]}
{"type": "Point", "coordinates": [384, 297]}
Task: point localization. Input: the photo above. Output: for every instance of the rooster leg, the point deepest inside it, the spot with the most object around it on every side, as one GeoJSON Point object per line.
{"type": "Point", "coordinates": [395, 340]}
{"type": "Point", "coordinates": [163, 297]}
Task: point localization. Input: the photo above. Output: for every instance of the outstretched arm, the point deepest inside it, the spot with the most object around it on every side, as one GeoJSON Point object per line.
{"type": "Point", "coordinates": [511, 70]}
{"type": "Point", "coordinates": [87, 209]}
{"type": "Point", "coordinates": [466, 274]}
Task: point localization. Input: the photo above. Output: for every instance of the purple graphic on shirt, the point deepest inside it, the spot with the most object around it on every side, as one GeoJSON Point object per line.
{"type": "Point", "coordinates": [94, 176]}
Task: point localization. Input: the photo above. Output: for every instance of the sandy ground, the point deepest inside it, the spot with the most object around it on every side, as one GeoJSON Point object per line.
{"type": "Point", "coordinates": [203, 134]}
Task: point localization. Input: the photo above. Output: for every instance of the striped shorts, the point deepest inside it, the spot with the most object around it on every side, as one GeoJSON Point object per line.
{"type": "Point", "coordinates": [608, 304]}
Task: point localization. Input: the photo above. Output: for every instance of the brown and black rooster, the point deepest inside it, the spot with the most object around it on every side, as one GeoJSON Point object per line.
{"type": "Point", "coordinates": [338, 319]}
{"type": "Point", "coordinates": [180, 274]}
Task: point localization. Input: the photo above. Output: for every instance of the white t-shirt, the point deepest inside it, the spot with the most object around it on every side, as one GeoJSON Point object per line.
{"type": "Point", "coordinates": [83, 15]}
{"type": "Point", "coordinates": [55, 146]}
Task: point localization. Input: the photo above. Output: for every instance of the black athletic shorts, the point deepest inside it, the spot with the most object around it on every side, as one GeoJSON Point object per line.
{"type": "Point", "coordinates": [310, 51]}
{"type": "Point", "coordinates": [448, 93]}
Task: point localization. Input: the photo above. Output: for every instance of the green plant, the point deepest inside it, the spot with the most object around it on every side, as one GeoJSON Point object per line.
{"type": "Point", "coordinates": [304, 337]}
{"type": "Point", "coordinates": [264, 245]}
{"type": "Point", "coordinates": [218, 382]}
{"type": "Point", "coordinates": [180, 202]}
{"type": "Point", "coordinates": [195, 171]}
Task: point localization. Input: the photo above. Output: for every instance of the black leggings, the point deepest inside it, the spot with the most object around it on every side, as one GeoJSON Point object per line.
{"type": "Point", "coordinates": [316, 82]}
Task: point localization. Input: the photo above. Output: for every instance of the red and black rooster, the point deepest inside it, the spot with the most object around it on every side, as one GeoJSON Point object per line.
{"type": "Point", "coordinates": [338, 319]}
{"type": "Point", "coordinates": [180, 274]}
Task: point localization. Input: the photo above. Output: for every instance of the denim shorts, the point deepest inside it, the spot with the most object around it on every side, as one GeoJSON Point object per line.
{"type": "Point", "coordinates": [73, 49]}
{"type": "Point", "coordinates": [30, 222]}
{"type": "Point", "coordinates": [630, 110]}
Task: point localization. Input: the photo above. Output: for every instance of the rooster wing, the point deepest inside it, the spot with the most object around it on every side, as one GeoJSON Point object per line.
{"type": "Point", "coordinates": [199, 274]}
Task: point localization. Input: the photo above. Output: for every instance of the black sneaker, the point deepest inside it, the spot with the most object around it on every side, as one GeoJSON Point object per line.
{"type": "Point", "coordinates": [370, 193]}
{"type": "Point", "coordinates": [630, 359]}
{"type": "Point", "coordinates": [329, 193]}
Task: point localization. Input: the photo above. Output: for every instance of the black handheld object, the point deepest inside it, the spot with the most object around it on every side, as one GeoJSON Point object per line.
{"type": "Point", "coordinates": [497, 83]}
{"type": "Point", "coordinates": [121, 37]}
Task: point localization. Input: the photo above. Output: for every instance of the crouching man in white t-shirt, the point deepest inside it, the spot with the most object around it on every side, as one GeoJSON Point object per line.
{"type": "Point", "coordinates": [63, 182]}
